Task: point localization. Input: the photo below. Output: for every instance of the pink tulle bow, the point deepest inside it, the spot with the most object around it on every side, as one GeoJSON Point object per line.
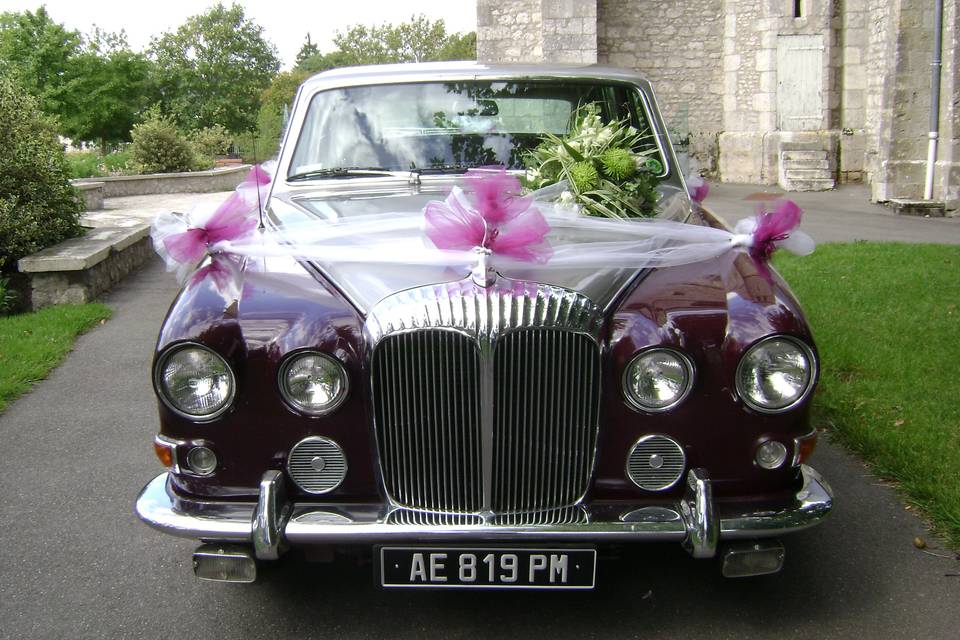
{"type": "Point", "coordinates": [489, 213]}
{"type": "Point", "coordinates": [773, 227]}
{"type": "Point", "coordinates": [698, 188]}
{"type": "Point", "coordinates": [232, 220]}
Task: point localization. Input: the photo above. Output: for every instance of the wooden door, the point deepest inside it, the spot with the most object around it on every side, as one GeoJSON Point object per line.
{"type": "Point", "coordinates": [800, 83]}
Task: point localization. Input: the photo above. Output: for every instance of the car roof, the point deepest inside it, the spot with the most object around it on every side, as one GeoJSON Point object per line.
{"type": "Point", "coordinates": [426, 71]}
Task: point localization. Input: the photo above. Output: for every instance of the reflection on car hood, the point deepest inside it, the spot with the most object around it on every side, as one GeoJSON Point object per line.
{"type": "Point", "coordinates": [367, 284]}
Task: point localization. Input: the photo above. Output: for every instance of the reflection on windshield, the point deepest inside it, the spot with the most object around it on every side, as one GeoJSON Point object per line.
{"type": "Point", "coordinates": [418, 126]}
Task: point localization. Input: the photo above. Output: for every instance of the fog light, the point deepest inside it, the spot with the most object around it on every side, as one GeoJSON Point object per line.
{"type": "Point", "coordinates": [224, 564]}
{"type": "Point", "coordinates": [771, 454]}
{"type": "Point", "coordinates": [202, 461]}
{"type": "Point", "coordinates": [756, 558]}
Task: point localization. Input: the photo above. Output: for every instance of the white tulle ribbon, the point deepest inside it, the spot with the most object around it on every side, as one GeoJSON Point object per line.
{"type": "Point", "coordinates": [563, 239]}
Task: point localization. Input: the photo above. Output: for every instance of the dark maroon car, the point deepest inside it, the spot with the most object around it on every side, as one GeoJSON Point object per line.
{"type": "Point", "coordinates": [477, 432]}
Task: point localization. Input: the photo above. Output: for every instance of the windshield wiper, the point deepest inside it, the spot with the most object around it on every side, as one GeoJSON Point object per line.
{"type": "Point", "coordinates": [444, 169]}
{"type": "Point", "coordinates": [341, 172]}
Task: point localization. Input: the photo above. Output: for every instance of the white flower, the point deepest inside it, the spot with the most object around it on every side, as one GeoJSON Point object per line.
{"type": "Point", "coordinates": [605, 135]}
{"type": "Point", "coordinates": [533, 175]}
{"type": "Point", "coordinates": [566, 197]}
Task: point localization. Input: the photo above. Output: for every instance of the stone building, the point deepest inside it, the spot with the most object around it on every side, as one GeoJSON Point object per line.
{"type": "Point", "coordinates": [801, 93]}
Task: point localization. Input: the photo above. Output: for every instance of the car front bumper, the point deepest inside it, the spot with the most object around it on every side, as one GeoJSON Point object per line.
{"type": "Point", "coordinates": [273, 522]}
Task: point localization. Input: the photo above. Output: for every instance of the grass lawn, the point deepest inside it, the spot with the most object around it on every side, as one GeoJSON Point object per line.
{"type": "Point", "coordinates": [34, 343]}
{"type": "Point", "coordinates": [887, 323]}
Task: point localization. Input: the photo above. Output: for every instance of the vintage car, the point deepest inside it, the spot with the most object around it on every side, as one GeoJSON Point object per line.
{"type": "Point", "coordinates": [467, 431]}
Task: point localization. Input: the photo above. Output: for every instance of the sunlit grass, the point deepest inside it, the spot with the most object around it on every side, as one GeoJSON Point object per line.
{"type": "Point", "coordinates": [886, 320]}
{"type": "Point", "coordinates": [32, 344]}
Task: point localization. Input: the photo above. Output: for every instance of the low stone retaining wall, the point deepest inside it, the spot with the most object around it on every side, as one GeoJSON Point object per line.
{"type": "Point", "coordinates": [92, 194]}
{"type": "Point", "coordinates": [80, 269]}
{"type": "Point", "coordinates": [222, 179]}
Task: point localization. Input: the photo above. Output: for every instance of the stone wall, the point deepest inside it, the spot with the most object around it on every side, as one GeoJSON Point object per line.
{"type": "Point", "coordinates": [714, 66]}
{"type": "Point", "coordinates": [79, 269]}
{"type": "Point", "coordinates": [509, 31]}
{"type": "Point", "coordinates": [537, 31]}
{"type": "Point", "coordinates": [899, 101]}
{"type": "Point", "coordinates": [677, 45]}
{"type": "Point", "coordinates": [214, 180]}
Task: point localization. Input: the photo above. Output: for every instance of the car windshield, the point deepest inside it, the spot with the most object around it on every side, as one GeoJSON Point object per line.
{"type": "Point", "coordinates": [447, 125]}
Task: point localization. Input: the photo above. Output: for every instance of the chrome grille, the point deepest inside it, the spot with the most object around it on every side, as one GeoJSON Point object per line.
{"type": "Point", "coordinates": [428, 518]}
{"type": "Point", "coordinates": [566, 515]}
{"type": "Point", "coordinates": [486, 399]}
{"type": "Point", "coordinates": [317, 465]}
{"type": "Point", "coordinates": [547, 396]}
{"type": "Point", "coordinates": [655, 463]}
{"type": "Point", "coordinates": [426, 387]}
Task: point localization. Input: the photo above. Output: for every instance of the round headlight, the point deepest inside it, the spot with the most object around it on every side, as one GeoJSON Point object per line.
{"type": "Point", "coordinates": [195, 382]}
{"type": "Point", "coordinates": [658, 379]}
{"type": "Point", "coordinates": [313, 383]}
{"type": "Point", "coordinates": [775, 374]}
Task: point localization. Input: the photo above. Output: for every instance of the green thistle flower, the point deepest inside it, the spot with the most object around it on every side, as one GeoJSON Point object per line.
{"type": "Point", "coordinates": [584, 176]}
{"type": "Point", "coordinates": [618, 164]}
{"type": "Point", "coordinates": [653, 166]}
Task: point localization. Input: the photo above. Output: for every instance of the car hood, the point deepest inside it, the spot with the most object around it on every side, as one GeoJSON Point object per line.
{"type": "Point", "coordinates": [366, 284]}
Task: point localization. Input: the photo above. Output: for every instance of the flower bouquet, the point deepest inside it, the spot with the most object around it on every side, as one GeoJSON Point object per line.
{"type": "Point", "coordinates": [611, 168]}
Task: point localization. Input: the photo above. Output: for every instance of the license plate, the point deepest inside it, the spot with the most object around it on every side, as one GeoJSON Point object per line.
{"type": "Point", "coordinates": [487, 568]}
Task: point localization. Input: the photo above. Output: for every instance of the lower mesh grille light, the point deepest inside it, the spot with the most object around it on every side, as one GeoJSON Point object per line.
{"type": "Point", "coordinates": [317, 465]}
{"type": "Point", "coordinates": [656, 463]}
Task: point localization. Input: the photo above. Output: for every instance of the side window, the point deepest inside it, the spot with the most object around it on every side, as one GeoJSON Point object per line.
{"type": "Point", "coordinates": [640, 118]}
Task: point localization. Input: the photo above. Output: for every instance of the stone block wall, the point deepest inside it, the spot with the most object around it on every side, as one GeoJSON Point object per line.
{"type": "Point", "coordinates": [714, 66]}
{"type": "Point", "coordinates": [509, 31]}
{"type": "Point", "coordinates": [677, 45]}
{"type": "Point", "coordinates": [78, 287]}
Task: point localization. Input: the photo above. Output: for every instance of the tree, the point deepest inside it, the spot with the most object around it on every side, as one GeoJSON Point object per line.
{"type": "Point", "coordinates": [308, 50]}
{"type": "Point", "coordinates": [111, 86]}
{"type": "Point", "coordinates": [418, 40]}
{"type": "Point", "coordinates": [213, 69]}
{"type": "Point", "coordinates": [37, 52]}
{"type": "Point", "coordinates": [38, 207]}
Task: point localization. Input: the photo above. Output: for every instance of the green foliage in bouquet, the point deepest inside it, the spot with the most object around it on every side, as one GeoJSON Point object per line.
{"type": "Point", "coordinates": [611, 168]}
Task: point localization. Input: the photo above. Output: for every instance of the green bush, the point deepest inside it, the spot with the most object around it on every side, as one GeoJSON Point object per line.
{"type": "Point", "coordinates": [212, 141]}
{"type": "Point", "coordinates": [38, 207]}
{"type": "Point", "coordinates": [85, 164]}
{"type": "Point", "coordinates": [90, 164]}
{"type": "Point", "coordinates": [159, 147]}
{"type": "Point", "coordinates": [8, 297]}
{"type": "Point", "coordinates": [116, 163]}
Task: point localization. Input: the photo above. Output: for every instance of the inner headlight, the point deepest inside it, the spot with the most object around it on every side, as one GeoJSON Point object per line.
{"type": "Point", "coordinates": [195, 382]}
{"type": "Point", "coordinates": [313, 383]}
{"type": "Point", "coordinates": [775, 374]}
{"type": "Point", "coordinates": [658, 379]}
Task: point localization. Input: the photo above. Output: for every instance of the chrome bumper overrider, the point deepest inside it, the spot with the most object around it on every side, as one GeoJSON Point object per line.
{"type": "Point", "coordinates": [273, 522]}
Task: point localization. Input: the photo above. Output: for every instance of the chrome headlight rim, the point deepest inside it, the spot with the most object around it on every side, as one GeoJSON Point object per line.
{"type": "Point", "coordinates": [811, 357]}
{"type": "Point", "coordinates": [288, 399]}
{"type": "Point", "coordinates": [158, 384]}
{"type": "Point", "coordinates": [627, 388]}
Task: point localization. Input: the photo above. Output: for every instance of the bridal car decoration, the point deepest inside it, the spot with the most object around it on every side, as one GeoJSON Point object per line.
{"type": "Point", "coordinates": [475, 332]}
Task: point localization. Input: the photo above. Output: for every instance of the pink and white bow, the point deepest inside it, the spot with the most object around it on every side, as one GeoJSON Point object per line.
{"type": "Point", "coordinates": [489, 213]}
{"type": "Point", "coordinates": [773, 229]}
{"type": "Point", "coordinates": [184, 241]}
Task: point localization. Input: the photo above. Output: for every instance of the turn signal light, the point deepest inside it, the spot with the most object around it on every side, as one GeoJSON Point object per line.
{"type": "Point", "coordinates": [164, 451]}
{"type": "Point", "coordinates": [803, 448]}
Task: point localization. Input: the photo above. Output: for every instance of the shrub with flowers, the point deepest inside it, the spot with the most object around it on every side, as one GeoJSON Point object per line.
{"type": "Point", "coordinates": [606, 173]}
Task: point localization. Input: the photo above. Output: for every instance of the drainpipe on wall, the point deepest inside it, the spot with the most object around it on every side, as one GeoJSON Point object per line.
{"type": "Point", "coordinates": [934, 99]}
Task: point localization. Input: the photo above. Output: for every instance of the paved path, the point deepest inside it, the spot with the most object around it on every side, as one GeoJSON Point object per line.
{"type": "Point", "coordinates": [134, 210]}
{"type": "Point", "coordinates": [75, 562]}
{"type": "Point", "coordinates": [842, 215]}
